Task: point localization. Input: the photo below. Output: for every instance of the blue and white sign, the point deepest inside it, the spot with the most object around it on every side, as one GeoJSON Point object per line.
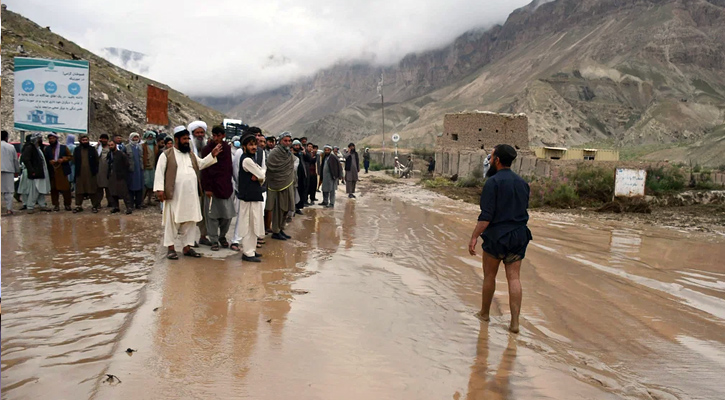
{"type": "Point", "coordinates": [51, 95]}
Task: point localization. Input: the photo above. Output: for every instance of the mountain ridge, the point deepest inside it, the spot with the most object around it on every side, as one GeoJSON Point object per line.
{"type": "Point", "coordinates": [621, 72]}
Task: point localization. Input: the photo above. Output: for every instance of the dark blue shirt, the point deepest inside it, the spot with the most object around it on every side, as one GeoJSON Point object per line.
{"type": "Point", "coordinates": [504, 200]}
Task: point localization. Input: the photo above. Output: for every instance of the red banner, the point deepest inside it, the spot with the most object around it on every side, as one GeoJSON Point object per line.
{"type": "Point", "coordinates": [157, 106]}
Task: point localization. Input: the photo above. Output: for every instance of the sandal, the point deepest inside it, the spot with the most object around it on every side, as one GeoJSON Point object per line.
{"type": "Point", "coordinates": [261, 241]}
{"type": "Point", "coordinates": [78, 209]}
{"type": "Point", "coordinates": [223, 242]}
{"type": "Point", "coordinates": [95, 210]}
{"type": "Point", "coordinates": [172, 255]}
{"type": "Point", "coordinates": [192, 253]}
{"type": "Point", "coordinates": [215, 247]}
{"type": "Point", "coordinates": [234, 247]}
{"type": "Point", "coordinates": [259, 246]}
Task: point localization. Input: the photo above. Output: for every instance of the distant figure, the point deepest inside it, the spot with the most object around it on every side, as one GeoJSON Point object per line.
{"type": "Point", "coordinates": [37, 184]}
{"type": "Point", "coordinates": [118, 174]}
{"type": "Point", "coordinates": [58, 157]}
{"type": "Point", "coordinates": [331, 173]}
{"type": "Point", "coordinates": [21, 49]}
{"type": "Point", "coordinates": [10, 168]}
{"type": "Point", "coordinates": [366, 159]}
{"type": "Point", "coordinates": [85, 164]}
{"type": "Point", "coordinates": [502, 226]}
{"type": "Point", "coordinates": [408, 167]}
{"type": "Point", "coordinates": [431, 165]}
{"type": "Point", "coordinates": [352, 167]}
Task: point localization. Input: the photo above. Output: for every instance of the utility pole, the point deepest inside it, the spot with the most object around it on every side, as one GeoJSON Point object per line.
{"type": "Point", "coordinates": [382, 104]}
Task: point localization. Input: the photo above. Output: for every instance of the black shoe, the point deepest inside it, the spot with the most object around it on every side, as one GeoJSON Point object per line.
{"type": "Point", "coordinates": [258, 255]}
{"type": "Point", "coordinates": [308, 204]}
{"type": "Point", "coordinates": [128, 211]}
{"type": "Point", "coordinates": [324, 203]}
{"type": "Point", "coordinates": [349, 196]}
{"type": "Point", "coordinates": [299, 212]}
{"type": "Point", "coordinates": [68, 208]}
{"type": "Point", "coordinates": [278, 236]}
{"type": "Point", "coordinates": [251, 259]}
{"type": "Point", "coordinates": [286, 236]}
{"type": "Point", "coordinates": [94, 210]}
{"type": "Point", "coordinates": [205, 242]}
{"type": "Point", "coordinates": [56, 208]}
{"type": "Point", "coordinates": [353, 196]}
{"type": "Point", "coordinates": [115, 210]}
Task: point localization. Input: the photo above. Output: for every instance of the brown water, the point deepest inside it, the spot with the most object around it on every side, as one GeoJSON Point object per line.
{"type": "Point", "coordinates": [375, 299]}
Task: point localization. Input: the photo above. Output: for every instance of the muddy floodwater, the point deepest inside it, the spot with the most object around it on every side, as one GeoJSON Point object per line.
{"type": "Point", "coordinates": [372, 300]}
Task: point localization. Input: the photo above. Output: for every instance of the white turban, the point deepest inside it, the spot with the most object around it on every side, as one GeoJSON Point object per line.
{"type": "Point", "coordinates": [133, 135]}
{"type": "Point", "coordinates": [179, 129]}
{"type": "Point", "coordinates": [197, 124]}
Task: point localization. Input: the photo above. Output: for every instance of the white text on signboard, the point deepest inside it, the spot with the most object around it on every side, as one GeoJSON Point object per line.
{"type": "Point", "coordinates": [629, 182]}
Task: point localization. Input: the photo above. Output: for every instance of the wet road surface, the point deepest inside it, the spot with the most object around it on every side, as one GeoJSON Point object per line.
{"type": "Point", "coordinates": [374, 299]}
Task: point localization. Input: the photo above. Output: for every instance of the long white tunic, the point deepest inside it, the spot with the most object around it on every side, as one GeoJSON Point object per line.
{"type": "Point", "coordinates": [251, 213]}
{"type": "Point", "coordinates": [184, 207]}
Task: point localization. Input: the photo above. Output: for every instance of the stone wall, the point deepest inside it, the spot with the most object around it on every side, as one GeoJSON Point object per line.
{"type": "Point", "coordinates": [483, 131]}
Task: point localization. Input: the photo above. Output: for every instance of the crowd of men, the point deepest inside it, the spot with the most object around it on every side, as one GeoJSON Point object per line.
{"type": "Point", "coordinates": [201, 181]}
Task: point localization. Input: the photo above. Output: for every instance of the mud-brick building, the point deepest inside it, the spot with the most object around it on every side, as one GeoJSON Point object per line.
{"type": "Point", "coordinates": [482, 130]}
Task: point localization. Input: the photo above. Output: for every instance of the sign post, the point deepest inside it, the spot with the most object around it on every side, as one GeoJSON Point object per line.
{"type": "Point", "coordinates": [157, 106]}
{"type": "Point", "coordinates": [51, 95]}
{"type": "Point", "coordinates": [396, 139]}
{"type": "Point", "coordinates": [629, 182]}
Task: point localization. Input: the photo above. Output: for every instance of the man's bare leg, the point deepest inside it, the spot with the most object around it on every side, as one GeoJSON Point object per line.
{"type": "Point", "coordinates": [512, 276]}
{"type": "Point", "coordinates": [490, 269]}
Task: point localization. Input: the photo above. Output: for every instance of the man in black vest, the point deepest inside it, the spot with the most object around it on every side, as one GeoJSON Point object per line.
{"type": "Point", "coordinates": [251, 199]}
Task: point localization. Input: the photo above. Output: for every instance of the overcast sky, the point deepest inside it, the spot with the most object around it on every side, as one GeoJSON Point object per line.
{"type": "Point", "coordinates": [224, 47]}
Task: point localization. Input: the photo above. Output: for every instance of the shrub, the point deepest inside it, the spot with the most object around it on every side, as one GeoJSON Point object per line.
{"type": "Point", "coordinates": [374, 166]}
{"type": "Point", "coordinates": [470, 181]}
{"type": "Point", "coordinates": [436, 182]}
{"type": "Point", "coordinates": [593, 184]}
{"type": "Point", "coordinates": [664, 180]}
{"type": "Point", "coordinates": [563, 196]}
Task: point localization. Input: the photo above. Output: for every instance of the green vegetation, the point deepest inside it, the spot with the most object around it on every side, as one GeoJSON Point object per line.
{"type": "Point", "coordinates": [437, 182]}
{"type": "Point", "coordinates": [705, 87]}
{"type": "Point", "coordinates": [593, 184]}
{"type": "Point", "coordinates": [374, 166]}
{"type": "Point", "coordinates": [664, 180]}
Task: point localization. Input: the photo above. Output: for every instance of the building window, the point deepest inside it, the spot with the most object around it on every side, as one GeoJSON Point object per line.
{"type": "Point", "coordinates": [589, 158]}
{"type": "Point", "coordinates": [454, 136]}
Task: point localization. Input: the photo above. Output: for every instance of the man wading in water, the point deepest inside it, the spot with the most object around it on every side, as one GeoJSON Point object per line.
{"type": "Point", "coordinates": [502, 225]}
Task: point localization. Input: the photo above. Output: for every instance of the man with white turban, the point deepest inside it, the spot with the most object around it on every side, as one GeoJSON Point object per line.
{"type": "Point", "coordinates": [177, 184]}
{"type": "Point", "coordinates": [198, 134]}
{"type": "Point", "coordinates": [198, 141]}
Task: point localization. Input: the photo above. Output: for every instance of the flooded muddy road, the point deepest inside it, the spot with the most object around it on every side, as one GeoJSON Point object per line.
{"type": "Point", "coordinates": [372, 300]}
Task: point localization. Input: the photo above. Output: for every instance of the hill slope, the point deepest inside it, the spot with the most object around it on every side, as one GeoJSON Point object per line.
{"type": "Point", "coordinates": [117, 97]}
{"type": "Point", "coordinates": [617, 72]}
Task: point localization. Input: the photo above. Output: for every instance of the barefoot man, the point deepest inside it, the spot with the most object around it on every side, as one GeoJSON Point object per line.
{"type": "Point", "coordinates": [502, 226]}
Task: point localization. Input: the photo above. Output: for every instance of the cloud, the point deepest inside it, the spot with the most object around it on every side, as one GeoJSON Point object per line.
{"type": "Point", "coordinates": [227, 47]}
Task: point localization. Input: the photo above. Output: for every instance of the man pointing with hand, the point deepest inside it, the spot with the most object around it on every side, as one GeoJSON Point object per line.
{"type": "Point", "coordinates": [177, 183]}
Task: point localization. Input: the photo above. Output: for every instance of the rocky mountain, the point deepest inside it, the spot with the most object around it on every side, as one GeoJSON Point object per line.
{"type": "Point", "coordinates": [117, 97]}
{"type": "Point", "coordinates": [127, 59]}
{"type": "Point", "coordinates": [605, 72]}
